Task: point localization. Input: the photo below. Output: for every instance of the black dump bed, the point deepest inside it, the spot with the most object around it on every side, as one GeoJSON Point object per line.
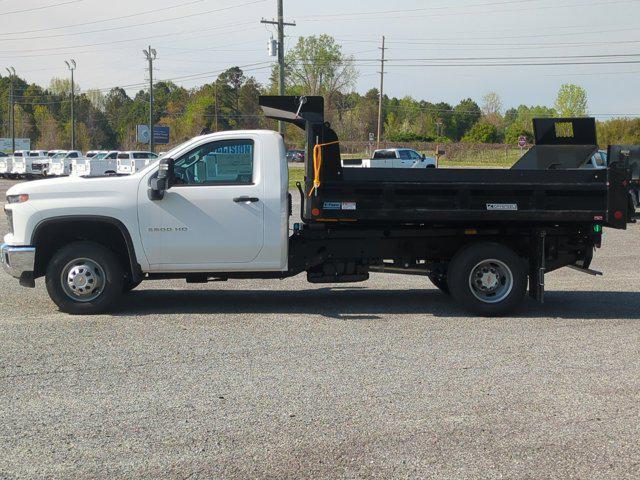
{"type": "Point", "coordinates": [545, 187]}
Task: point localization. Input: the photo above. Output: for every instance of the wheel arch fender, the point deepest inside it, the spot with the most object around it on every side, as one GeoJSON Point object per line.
{"type": "Point", "coordinates": [84, 227]}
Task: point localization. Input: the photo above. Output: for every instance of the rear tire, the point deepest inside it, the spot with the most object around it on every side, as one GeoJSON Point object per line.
{"type": "Point", "coordinates": [84, 278]}
{"type": "Point", "coordinates": [488, 279]}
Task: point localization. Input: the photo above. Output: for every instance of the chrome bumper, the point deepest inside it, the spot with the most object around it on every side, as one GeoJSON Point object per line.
{"type": "Point", "coordinates": [18, 261]}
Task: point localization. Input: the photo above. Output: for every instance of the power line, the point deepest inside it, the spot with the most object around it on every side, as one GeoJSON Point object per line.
{"type": "Point", "coordinates": [42, 7]}
{"type": "Point", "coordinates": [122, 27]}
{"type": "Point", "coordinates": [414, 10]}
{"type": "Point", "coordinates": [114, 42]}
{"type": "Point", "coordinates": [93, 22]}
{"type": "Point", "coordinates": [386, 17]}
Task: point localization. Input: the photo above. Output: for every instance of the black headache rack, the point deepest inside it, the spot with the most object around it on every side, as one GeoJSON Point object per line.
{"type": "Point", "coordinates": [560, 143]}
{"type": "Point", "coordinates": [544, 188]}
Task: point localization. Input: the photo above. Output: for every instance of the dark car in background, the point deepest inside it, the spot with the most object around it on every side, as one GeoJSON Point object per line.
{"type": "Point", "coordinates": [295, 155]}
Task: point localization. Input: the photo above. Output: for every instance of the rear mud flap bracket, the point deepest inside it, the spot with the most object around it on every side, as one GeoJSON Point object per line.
{"type": "Point", "coordinates": [537, 266]}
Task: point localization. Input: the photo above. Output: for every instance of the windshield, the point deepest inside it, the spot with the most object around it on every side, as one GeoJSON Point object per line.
{"type": "Point", "coordinates": [59, 155]}
{"type": "Point", "coordinates": [99, 156]}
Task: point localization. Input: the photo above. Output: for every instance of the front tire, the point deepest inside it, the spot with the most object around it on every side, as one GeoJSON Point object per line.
{"type": "Point", "coordinates": [84, 278]}
{"type": "Point", "coordinates": [488, 279]}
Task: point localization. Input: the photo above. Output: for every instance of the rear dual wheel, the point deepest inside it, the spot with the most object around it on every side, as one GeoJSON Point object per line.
{"type": "Point", "coordinates": [488, 279]}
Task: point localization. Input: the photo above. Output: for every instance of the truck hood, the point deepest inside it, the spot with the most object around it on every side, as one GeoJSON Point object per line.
{"type": "Point", "coordinates": [76, 187]}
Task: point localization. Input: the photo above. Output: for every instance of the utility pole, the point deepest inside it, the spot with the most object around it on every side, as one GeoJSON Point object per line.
{"type": "Point", "coordinates": [281, 24]}
{"type": "Point", "coordinates": [151, 56]}
{"type": "Point", "coordinates": [12, 110]}
{"type": "Point", "coordinates": [215, 109]}
{"type": "Point", "coordinates": [381, 93]}
{"type": "Point", "coordinates": [71, 64]}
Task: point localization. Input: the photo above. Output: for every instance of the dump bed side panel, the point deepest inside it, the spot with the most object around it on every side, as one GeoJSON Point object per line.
{"type": "Point", "coordinates": [463, 196]}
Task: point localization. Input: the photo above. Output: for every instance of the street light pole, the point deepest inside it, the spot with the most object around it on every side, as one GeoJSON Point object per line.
{"type": "Point", "coordinates": [71, 64]}
{"type": "Point", "coordinates": [151, 56]}
{"type": "Point", "coordinates": [12, 109]}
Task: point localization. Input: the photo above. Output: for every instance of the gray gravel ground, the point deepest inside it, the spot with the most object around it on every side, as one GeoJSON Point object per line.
{"type": "Point", "coordinates": [283, 379]}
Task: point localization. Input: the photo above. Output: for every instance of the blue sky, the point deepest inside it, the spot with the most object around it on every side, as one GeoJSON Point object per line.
{"type": "Point", "coordinates": [204, 36]}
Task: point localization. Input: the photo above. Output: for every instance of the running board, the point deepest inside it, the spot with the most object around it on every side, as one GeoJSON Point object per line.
{"type": "Point", "coordinates": [588, 271]}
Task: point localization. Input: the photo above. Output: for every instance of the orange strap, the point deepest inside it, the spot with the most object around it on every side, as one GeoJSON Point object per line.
{"type": "Point", "coordinates": [317, 164]}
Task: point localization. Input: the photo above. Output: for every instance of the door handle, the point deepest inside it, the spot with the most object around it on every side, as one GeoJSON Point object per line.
{"type": "Point", "coordinates": [246, 199]}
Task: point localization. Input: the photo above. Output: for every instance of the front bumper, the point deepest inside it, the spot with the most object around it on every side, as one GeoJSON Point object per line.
{"type": "Point", "coordinates": [19, 262]}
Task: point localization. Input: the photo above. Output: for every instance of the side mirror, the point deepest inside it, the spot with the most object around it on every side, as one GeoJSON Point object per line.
{"type": "Point", "coordinates": [163, 181]}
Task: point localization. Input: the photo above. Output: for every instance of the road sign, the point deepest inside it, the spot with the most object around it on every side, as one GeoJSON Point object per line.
{"type": "Point", "coordinates": [522, 141]}
{"type": "Point", "coordinates": [160, 134]}
{"type": "Point", "coordinates": [372, 137]}
{"type": "Point", "coordinates": [21, 144]}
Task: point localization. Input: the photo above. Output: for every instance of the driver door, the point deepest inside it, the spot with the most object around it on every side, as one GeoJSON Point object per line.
{"type": "Point", "coordinates": [212, 218]}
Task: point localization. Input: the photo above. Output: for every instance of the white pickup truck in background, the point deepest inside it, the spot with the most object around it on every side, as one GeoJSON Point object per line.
{"type": "Point", "coordinates": [392, 158]}
{"type": "Point", "coordinates": [61, 163]}
{"type": "Point", "coordinates": [95, 166]}
{"type": "Point", "coordinates": [132, 162]}
{"type": "Point", "coordinates": [6, 165]}
{"type": "Point", "coordinates": [32, 163]}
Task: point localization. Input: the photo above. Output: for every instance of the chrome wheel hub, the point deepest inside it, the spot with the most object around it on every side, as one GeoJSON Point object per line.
{"type": "Point", "coordinates": [83, 280]}
{"type": "Point", "coordinates": [491, 281]}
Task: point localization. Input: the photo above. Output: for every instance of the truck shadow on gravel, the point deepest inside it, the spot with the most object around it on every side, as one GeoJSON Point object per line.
{"type": "Point", "coordinates": [367, 304]}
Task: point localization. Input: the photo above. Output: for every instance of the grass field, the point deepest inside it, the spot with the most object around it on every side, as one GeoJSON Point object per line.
{"type": "Point", "coordinates": [483, 158]}
{"type": "Point", "coordinates": [296, 174]}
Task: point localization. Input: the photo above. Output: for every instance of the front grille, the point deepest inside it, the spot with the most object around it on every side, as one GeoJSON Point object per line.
{"type": "Point", "coordinates": [9, 218]}
{"type": "Point", "coordinates": [36, 166]}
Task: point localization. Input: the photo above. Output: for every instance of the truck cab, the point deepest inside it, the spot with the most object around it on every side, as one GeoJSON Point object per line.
{"type": "Point", "coordinates": [227, 211]}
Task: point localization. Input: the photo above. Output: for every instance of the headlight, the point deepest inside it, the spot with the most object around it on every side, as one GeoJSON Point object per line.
{"type": "Point", "coordinates": [17, 198]}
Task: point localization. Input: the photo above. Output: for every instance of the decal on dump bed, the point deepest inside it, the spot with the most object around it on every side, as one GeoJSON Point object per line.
{"type": "Point", "coordinates": [502, 206]}
{"type": "Point", "coordinates": [332, 206]}
{"type": "Point", "coordinates": [339, 205]}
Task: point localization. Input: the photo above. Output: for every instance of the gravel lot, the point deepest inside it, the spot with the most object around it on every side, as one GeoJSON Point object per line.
{"type": "Point", "coordinates": [283, 379]}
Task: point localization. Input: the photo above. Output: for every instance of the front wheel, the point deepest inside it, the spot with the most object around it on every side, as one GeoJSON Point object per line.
{"type": "Point", "coordinates": [84, 278]}
{"type": "Point", "coordinates": [488, 279]}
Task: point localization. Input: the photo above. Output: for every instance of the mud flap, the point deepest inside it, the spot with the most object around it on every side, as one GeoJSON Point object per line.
{"type": "Point", "coordinates": [537, 265]}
